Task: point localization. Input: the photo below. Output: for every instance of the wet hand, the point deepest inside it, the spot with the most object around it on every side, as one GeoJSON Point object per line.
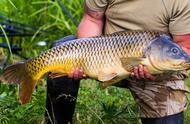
{"type": "Point", "coordinates": [141, 72]}
{"type": "Point", "coordinates": [77, 74]}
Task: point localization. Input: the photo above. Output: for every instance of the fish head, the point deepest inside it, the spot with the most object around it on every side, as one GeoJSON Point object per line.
{"type": "Point", "coordinates": [165, 55]}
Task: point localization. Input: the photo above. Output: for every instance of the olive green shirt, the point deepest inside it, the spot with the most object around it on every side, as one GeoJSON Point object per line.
{"type": "Point", "coordinates": [158, 98]}
{"type": "Point", "coordinates": [163, 15]}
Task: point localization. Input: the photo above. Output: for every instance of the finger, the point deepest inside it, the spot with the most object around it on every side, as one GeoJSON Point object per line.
{"type": "Point", "coordinates": [136, 72]}
{"type": "Point", "coordinates": [76, 73]}
{"type": "Point", "coordinates": [141, 71]}
{"type": "Point", "coordinates": [148, 75]}
{"type": "Point", "coordinates": [72, 74]}
{"type": "Point", "coordinates": [82, 74]}
{"type": "Point", "coordinates": [79, 73]}
{"type": "Point", "coordinates": [132, 74]}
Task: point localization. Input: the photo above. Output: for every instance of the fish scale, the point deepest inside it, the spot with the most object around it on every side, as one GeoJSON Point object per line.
{"type": "Point", "coordinates": [107, 58]}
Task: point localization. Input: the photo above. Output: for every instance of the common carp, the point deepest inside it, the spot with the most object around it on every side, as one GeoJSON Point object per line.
{"type": "Point", "coordinates": [107, 58]}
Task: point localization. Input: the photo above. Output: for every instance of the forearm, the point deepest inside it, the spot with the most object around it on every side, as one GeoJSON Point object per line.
{"type": "Point", "coordinates": [89, 27]}
{"type": "Point", "coordinates": [91, 23]}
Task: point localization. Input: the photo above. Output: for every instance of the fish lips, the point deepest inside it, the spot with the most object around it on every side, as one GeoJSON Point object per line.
{"type": "Point", "coordinates": [186, 63]}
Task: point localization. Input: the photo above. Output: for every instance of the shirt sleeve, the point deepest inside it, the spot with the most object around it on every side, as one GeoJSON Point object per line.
{"type": "Point", "coordinates": [97, 5]}
{"type": "Point", "coordinates": [179, 22]}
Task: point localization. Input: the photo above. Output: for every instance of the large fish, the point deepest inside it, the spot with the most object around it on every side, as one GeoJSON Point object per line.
{"type": "Point", "coordinates": [108, 59]}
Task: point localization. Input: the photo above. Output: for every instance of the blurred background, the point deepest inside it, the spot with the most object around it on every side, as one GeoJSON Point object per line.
{"type": "Point", "coordinates": [29, 27]}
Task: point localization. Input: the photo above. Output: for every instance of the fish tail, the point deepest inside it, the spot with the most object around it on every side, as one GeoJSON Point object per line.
{"type": "Point", "coordinates": [17, 73]}
{"type": "Point", "coordinates": [26, 88]}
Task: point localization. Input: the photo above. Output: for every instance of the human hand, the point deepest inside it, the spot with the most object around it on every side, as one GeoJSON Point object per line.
{"type": "Point", "coordinates": [141, 72]}
{"type": "Point", "coordinates": [77, 73]}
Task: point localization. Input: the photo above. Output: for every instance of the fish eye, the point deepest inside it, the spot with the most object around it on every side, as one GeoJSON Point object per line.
{"type": "Point", "coordinates": [175, 50]}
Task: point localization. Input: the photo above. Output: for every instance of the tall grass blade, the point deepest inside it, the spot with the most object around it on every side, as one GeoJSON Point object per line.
{"type": "Point", "coordinates": [95, 114]}
{"type": "Point", "coordinates": [12, 4]}
{"type": "Point", "coordinates": [41, 10]}
{"type": "Point", "coordinates": [42, 2]}
{"type": "Point", "coordinates": [67, 12]}
{"type": "Point", "coordinates": [7, 40]}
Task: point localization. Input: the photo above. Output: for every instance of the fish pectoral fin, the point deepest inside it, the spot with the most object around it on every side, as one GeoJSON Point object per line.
{"type": "Point", "coordinates": [108, 83]}
{"type": "Point", "coordinates": [111, 82]}
{"type": "Point", "coordinates": [129, 62]}
{"type": "Point", "coordinates": [106, 75]}
{"type": "Point", "coordinates": [56, 74]}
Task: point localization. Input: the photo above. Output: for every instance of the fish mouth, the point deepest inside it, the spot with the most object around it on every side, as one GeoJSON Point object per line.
{"type": "Point", "coordinates": [186, 65]}
{"type": "Point", "coordinates": [182, 65]}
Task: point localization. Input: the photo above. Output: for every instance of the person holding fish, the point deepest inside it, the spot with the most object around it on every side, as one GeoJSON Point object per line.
{"type": "Point", "coordinates": [129, 44]}
{"type": "Point", "coordinates": [161, 101]}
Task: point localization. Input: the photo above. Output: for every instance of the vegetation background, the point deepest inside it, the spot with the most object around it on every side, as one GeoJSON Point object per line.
{"type": "Point", "coordinates": [94, 106]}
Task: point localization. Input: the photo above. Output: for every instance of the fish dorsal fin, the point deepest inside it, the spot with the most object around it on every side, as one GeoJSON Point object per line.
{"type": "Point", "coordinates": [106, 75]}
{"type": "Point", "coordinates": [129, 62]}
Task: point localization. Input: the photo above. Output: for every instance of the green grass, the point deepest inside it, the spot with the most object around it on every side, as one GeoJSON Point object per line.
{"type": "Point", "coordinates": [111, 105]}
{"type": "Point", "coordinates": [11, 112]}
{"type": "Point", "coordinates": [94, 105]}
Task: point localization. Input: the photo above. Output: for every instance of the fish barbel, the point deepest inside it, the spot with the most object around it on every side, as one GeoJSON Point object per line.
{"type": "Point", "coordinates": [107, 58]}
